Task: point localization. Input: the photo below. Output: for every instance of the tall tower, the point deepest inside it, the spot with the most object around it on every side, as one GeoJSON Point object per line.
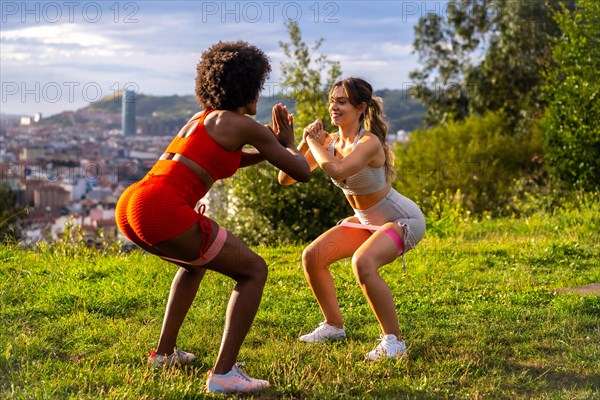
{"type": "Point", "coordinates": [128, 113]}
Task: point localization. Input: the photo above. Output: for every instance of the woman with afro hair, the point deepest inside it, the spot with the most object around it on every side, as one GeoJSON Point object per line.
{"type": "Point", "coordinates": [159, 213]}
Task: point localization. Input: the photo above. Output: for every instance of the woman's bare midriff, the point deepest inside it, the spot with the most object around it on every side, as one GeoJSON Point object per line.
{"type": "Point", "coordinates": [364, 201]}
{"type": "Point", "coordinates": [198, 170]}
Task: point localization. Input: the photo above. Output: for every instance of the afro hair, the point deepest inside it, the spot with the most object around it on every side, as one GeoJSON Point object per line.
{"type": "Point", "coordinates": [230, 75]}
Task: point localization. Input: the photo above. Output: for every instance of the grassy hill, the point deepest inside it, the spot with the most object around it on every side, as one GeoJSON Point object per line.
{"type": "Point", "coordinates": [478, 307]}
{"type": "Point", "coordinates": [162, 107]}
{"type": "Point", "coordinates": [401, 110]}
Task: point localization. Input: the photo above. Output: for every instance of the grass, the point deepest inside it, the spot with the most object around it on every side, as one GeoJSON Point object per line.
{"type": "Point", "coordinates": [478, 310]}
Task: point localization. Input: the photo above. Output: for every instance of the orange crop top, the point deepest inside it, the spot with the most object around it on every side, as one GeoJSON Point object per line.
{"type": "Point", "coordinates": [199, 147]}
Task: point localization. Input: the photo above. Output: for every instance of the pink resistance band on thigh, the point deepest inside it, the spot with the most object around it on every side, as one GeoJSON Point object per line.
{"type": "Point", "coordinates": [390, 232]}
{"type": "Point", "coordinates": [214, 248]}
{"type": "Point", "coordinates": [210, 253]}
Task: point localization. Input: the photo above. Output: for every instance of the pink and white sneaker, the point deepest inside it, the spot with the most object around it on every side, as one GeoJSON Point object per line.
{"type": "Point", "coordinates": [179, 357]}
{"type": "Point", "coordinates": [235, 380]}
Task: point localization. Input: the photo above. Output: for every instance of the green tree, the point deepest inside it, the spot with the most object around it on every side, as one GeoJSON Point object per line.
{"type": "Point", "coordinates": [572, 90]}
{"type": "Point", "coordinates": [303, 75]}
{"type": "Point", "coordinates": [455, 81]}
{"type": "Point", "coordinates": [261, 211]}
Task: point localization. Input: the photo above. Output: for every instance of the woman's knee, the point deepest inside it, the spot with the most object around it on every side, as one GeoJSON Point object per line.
{"type": "Point", "coordinates": [310, 258]}
{"type": "Point", "coordinates": [258, 270]}
{"type": "Point", "coordinates": [364, 268]}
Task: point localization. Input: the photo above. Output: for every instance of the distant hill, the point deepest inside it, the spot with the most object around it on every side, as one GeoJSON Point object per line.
{"type": "Point", "coordinates": [402, 111]}
{"type": "Point", "coordinates": [162, 107]}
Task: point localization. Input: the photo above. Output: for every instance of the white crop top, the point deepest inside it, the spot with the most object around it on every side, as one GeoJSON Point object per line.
{"type": "Point", "coordinates": [368, 180]}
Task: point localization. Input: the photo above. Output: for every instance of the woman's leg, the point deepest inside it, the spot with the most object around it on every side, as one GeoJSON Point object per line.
{"type": "Point", "coordinates": [378, 250]}
{"type": "Point", "coordinates": [335, 244]}
{"type": "Point", "coordinates": [184, 286]}
{"type": "Point", "coordinates": [249, 270]}
{"type": "Point", "coordinates": [235, 260]}
{"type": "Point", "coordinates": [183, 291]}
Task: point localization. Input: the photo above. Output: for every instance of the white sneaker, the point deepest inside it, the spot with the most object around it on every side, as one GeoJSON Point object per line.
{"type": "Point", "coordinates": [235, 380]}
{"type": "Point", "coordinates": [324, 333]}
{"type": "Point", "coordinates": [179, 357]}
{"type": "Point", "coordinates": [389, 347]}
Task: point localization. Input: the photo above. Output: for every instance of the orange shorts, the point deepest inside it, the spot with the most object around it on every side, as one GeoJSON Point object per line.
{"type": "Point", "coordinates": [162, 205]}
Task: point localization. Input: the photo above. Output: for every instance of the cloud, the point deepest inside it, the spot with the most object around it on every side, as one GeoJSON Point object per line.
{"type": "Point", "coordinates": [394, 50]}
{"type": "Point", "coordinates": [159, 47]}
{"type": "Point", "coordinates": [48, 43]}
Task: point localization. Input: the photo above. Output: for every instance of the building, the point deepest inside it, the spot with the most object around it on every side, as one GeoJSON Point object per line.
{"type": "Point", "coordinates": [50, 197]}
{"type": "Point", "coordinates": [32, 154]}
{"type": "Point", "coordinates": [128, 113]}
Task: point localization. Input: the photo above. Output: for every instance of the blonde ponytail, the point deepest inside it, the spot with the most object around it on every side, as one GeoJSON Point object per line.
{"type": "Point", "coordinates": [374, 121]}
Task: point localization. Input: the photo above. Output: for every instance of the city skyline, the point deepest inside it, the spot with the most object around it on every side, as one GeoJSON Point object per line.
{"type": "Point", "coordinates": [61, 56]}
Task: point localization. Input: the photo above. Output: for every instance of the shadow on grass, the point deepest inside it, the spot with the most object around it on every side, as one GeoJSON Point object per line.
{"type": "Point", "coordinates": [551, 379]}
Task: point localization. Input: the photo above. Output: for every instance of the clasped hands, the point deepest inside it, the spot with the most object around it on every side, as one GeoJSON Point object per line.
{"type": "Point", "coordinates": [315, 132]}
{"type": "Point", "coordinates": [283, 125]}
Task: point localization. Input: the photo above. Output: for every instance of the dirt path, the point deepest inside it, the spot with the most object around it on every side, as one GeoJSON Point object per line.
{"type": "Point", "coordinates": [593, 289]}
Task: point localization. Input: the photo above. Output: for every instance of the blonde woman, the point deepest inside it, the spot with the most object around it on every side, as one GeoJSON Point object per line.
{"type": "Point", "coordinates": [385, 224]}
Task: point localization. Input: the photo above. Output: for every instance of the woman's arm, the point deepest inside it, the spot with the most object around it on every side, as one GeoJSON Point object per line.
{"type": "Point", "coordinates": [251, 157]}
{"type": "Point", "coordinates": [362, 155]}
{"type": "Point", "coordinates": [324, 139]}
{"type": "Point", "coordinates": [285, 179]}
{"type": "Point", "coordinates": [278, 149]}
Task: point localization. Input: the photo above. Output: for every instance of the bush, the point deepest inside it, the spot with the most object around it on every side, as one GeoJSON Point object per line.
{"type": "Point", "coordinates": [445, 214]}
{"type": "Point", "coordinates": [476, 156]}
{"type": "Point", "coordinates": [9, 215]}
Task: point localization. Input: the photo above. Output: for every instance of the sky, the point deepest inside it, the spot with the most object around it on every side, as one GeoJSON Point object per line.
{"type": "Point", "coordinates": [62, 55]}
